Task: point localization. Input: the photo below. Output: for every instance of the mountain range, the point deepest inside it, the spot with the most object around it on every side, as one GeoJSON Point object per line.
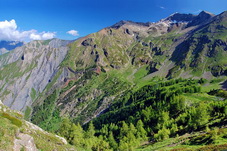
{"type": "Point", "coordinates": [6, 46]}
{"type": "Point", "coordinates": [88, 79]}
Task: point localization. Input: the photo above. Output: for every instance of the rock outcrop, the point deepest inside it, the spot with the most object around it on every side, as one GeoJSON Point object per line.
{"type": "Point", "coordinates": [18, 134]}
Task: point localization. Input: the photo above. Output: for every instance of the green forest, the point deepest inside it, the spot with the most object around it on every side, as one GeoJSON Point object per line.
{"type": "Point", "coordinates": [180, 110]}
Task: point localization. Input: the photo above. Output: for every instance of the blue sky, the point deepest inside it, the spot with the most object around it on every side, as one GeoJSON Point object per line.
{"type": "Point", "coordinates": [45, 17]}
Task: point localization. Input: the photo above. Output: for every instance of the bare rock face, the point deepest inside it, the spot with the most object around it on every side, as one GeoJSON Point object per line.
{"type": "Point", "coordinates": [25, 142]}
{"type": "Point", "coordinates": [26, 136]}
{"type": "Point", "coordinates": [28, 70]}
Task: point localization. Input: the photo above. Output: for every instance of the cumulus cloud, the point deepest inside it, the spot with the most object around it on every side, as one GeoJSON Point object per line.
{"type": "Point", "coordinates": [73, 32]}
{"type": "Point", "coordinates": [41, 36]}
{"type": "Point", "coordinates": [10, 32]}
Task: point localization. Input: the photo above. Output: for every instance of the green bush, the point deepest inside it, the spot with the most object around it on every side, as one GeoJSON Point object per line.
{"type": "Point", "coordinates": [14, 120]}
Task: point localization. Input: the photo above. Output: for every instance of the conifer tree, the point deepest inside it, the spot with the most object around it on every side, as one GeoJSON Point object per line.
{"type": "Point", "coordinates": [141, 132]}
{"type": "Point", "coordinates": [90, 131]}
{"type": "Point", "coordinates": [112, 141]}
{"type": "Point", "coordinates": [65, 127]}
{"type": "Point", "coordinates": [77, 135]}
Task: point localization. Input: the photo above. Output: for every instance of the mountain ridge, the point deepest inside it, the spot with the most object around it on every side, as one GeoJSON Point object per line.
{"type": "Point", "coordinates": [6, 46]}
{"type": "Point", "coordinates": [105, 74]}
{"type": "Point", "coordinates": [127, 29]}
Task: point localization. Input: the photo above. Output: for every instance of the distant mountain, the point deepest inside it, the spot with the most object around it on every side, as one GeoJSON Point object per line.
{"type": "Point", "coordinates": [3, 51]}
{"type": "Point", "coordinates": [6, 46]}
{"type": "Point", "coordinates": [178, 17]}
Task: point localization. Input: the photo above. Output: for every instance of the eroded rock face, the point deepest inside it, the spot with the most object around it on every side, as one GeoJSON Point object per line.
{"type": "Point", "coordinates": [24, 141]}
{"type": "Point", "coordinates": [29, 69]}
{"type": "Point", "coordinates": [87, 42]}
{"type": "Point", "coordinates": [26, 136]}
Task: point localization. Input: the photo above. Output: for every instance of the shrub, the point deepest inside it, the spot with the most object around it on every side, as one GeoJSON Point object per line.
{"type": "Point", "coordinates": [14, 120]}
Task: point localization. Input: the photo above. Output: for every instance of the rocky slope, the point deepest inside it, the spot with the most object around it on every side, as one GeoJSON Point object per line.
{"type": "Point", "coordinates": [16, 134]}
{"type": "Point", "coordinates": [26, 71]}
{"type": "Point", "coordinates": [129, 53]}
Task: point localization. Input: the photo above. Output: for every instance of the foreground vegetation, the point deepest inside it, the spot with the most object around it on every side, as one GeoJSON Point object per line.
{"type": "Point", "coordinates": [12, 125]}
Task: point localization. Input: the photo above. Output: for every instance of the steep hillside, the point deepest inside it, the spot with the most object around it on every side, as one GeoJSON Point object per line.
{"type": "Point", "coordinates": [26, 71]}
{"type": "Point", "coordinates": [162, 115]}
{"type": "Point", "coordinates": [17, 134]}
{"type": "Point", "coordinates": [102, 66]}
{"type": "Point", "coordinates": [205, 48]}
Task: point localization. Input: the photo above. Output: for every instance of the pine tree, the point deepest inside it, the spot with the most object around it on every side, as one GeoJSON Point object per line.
{"type": "Point", "coordinates": [104, 130]}
{"type": "Point", "coordinates": [162, 134]}
{"type": "Point", "coordinates": [123, 146]}
{"type": "Point", "coordinates": [77, 135]}
{"type": "Point", "coordinates": [90, 139]}
{"type": "Point", "coordinates": [90, 131]}
{"type": "Point", "coordinates": [112, 141]}
{"type": "Point", "coordinates": [124, 130]}
{"type": "Point", "coordinates": [100, 144]}
{"type": "Point", "coordinates": [132, 128]}
{"type": "Point", "coordinates": [141, 132]}
{"type": "Point", "coordinates": [199, 116]}
{"type": "Point", "coordinates": [163, 120]}
{"type": "Point", "coordinates": [65, 127]}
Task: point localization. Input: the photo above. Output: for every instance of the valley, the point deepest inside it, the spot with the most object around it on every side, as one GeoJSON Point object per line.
{"type": "Point", "coordinates": [129, 86]}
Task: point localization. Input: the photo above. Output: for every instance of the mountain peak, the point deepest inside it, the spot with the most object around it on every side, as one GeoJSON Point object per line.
{"type": "Point", "coordinates": [201, 18]}
{"type": "Point", "coordinates": [205, 14]}
{"type": "Point", "coordinates": [178, 17]}
{"type": "Point", "coordinates": [127, 22]}
{"type": "Point", "coordinates": [202, 13]}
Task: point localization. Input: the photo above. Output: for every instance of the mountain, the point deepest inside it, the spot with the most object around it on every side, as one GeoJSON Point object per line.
{"type": "Point", "coordinates": [6, 46]}
{"type": "Point", "coordinates": [3, 50]}
{"type": "Point", "coordinates": [190, 19]}
{"type": "Point", "coordinates": [26, 71]}
{"type": "Point", "coordinates": [173, 47]}
{"type": "Point", "coordinates": [129, 50]}
{"type": "Point", "coordinates": [125, 73]}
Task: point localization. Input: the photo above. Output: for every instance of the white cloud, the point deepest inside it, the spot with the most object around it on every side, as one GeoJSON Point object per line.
{"type": "Point", "coordinates": [9, 31]}
{"type": "Point", "coordinates": [34, 36]}
{"type": "Point", "coordinates": [73, 32]}
{"type": "Point", "coordinates": [162, 7]}
{"type": "Point", "coordinates": [48, 35]}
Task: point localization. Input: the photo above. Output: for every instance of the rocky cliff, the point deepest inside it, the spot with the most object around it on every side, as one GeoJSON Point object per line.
{"type": "Point", "coordinates": [26, 71]}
